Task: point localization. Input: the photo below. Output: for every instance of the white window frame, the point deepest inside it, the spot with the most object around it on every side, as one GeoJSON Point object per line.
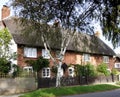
{"type": "Point", "coordinates": [28, 69]}
{"type": "Point", "coordinates": [45, 54]}
{"type": "Point", "coordinates": [46, 72]}
{"type": "Point", "coordinates": [30, 52]}
{"type": "Point", "coordinates": [86, 57]}
{"type": "Point", "coordinates": [117, 65]}
{"type": "Point", "coordinates": [106, 59]}
{"type": "Point", "coordinates": [71, 71]}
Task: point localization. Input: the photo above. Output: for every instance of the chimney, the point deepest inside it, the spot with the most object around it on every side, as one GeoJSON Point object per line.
{"type": "Point", "coordinates": [97, 34]}
{"type": "Point", "coordinates": [5, 12]}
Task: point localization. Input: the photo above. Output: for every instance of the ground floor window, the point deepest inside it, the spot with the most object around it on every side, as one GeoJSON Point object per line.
{"type": "Point", "coordinates": [71, 71]}
{"type": "Point", "coordinates": [117, 65]}
{"type": "Point", "coordinates": [46, 72]}
{"type": "Point", "coordinates": [28, 69]}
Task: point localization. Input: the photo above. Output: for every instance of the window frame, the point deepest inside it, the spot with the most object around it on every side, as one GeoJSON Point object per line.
{"type": "Point", "coordinates": [28, 69]}
{"type": "Point", "coordinates": [45, 54]}
{"type": "Point", "coordinates": [106, 59]}
{"type": "Point", "coordinates": [86, 59]}
{"type": "Point", "coordinates": [71, 73]}
{"type": "Point", "coordinates": [46, 73]}
{"type": "Point", "coordinates": [117, 65]}
{"type": "Point", "coordinates": [30, 52]}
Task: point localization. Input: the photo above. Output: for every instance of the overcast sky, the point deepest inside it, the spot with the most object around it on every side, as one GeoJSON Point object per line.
{"type": "Point", "coordinates": [117, 50]}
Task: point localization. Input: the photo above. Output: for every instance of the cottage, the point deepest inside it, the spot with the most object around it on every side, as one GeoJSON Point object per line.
{"type": "Point", "coordinates": [90, 48]}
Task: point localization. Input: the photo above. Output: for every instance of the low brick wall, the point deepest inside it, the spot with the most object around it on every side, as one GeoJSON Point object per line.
{"type": "Point", "coordinates": [16, 85]}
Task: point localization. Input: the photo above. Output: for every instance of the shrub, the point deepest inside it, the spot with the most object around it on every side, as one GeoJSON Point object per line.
{"type": "Point", "coordinates": [5, 66]}
{"type": "Point", "coordinates": [83, 70]}
{"type": "Point", "coordinates": [114, 71]}
{"type": "Point", "coordinates": [39, 63]}
{"type": "Point", "coordinates": [102, 68]}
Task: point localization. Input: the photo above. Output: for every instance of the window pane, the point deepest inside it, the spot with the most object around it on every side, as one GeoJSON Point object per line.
{"type": "Point", "coordinates": [30, 52]}
{"type": "Point", "coordinates": [45, 54]}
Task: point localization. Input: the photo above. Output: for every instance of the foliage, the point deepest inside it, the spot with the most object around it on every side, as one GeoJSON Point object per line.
{"type": "Point", "coordinates": [63, 91]}
{"type": "Point", "coordinates": [85, 70]}
{"type": "Point", "coordinates": [17, 71]}
{"type": "Point", "coordinates": [74, 14]}
{"type": "Point", "coordinates": [102, 68]}
{"type": "Point", "coordinates": [118, 83]}
{"type": "Point", "coordinates": [115, 71]}
{"type": "Point", "coordinates": [54, 69]}
{"type": "Point", "coordinates": [5, 42]}
{"type": "Point", "coordinates": [5, 66]}
{"type": "Point", "coordinates": [38, 64]}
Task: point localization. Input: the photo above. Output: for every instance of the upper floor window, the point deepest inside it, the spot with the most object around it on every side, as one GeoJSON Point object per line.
{"type": "Point", "coordinates": [105, 59]}
{"type": "Point", "coordinates": [117, 65]}
{"type": "Point", "coordinates": [86, 57]}
{"type": "Point", "coordinates": [30, 52]}
{"type": "Point", "coordinates": [46, 72]}
{"type": "Point", "coordinates": [71, 71]}
{"type": "Point", "coordinates": [45, 54]}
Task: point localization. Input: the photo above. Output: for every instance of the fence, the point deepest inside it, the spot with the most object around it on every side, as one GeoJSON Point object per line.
{"type": "Point", "coordinates": [69, 81]}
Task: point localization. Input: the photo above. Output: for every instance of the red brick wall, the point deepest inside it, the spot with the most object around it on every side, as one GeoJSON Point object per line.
{"type": "Point", "coordinates": [70, 58]}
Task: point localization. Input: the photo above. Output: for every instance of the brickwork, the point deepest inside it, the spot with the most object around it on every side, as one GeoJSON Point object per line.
{"type": "Point", "coordinates": [70, 58]}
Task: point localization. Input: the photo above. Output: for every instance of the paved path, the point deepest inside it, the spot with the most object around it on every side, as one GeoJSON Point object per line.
{"type": "Point", "coordinates": [112, 93]}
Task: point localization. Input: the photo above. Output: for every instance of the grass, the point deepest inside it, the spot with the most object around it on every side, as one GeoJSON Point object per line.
{"type": "Point", "coordinates": [54, 92]}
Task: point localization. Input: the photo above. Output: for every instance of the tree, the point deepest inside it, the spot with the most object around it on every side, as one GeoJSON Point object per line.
{"type": "Point", "coordinates": [5, 52]}
{"type": "Point", "coordinates": [72, 16]}
{"type": "Point", "coordinates": [5, 42]}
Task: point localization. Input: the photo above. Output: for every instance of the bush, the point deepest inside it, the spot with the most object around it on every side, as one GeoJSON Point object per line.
{"type": "Point", "coordinates": [38, 64]}
{"type": "Point", "coordinates": [102, 68]}
{"type": "Point", "coordinates": [5, 66]}
{"type": "Point", "coordinates": [83, 70]}
{"type": "Point", "coordinates": [114, 71]}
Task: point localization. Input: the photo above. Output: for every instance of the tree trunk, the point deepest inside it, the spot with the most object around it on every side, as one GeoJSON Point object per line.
{"type": "Point", "coordinates": [58, 83]}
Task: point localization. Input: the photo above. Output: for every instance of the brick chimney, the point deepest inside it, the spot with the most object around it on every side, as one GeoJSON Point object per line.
{"type": "Point", "coordinates": [5, 12]}
{"type": "Point", "coordinates": [97, 34]}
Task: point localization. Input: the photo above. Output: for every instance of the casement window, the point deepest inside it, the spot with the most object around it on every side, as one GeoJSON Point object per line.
{"type": "Point", "coordinates": [30, 52]}
{"type": "Point", "coordinates": [71, 71]}
{"type": "Point", "coordinates": [105, 59]}
{"type": "Point", "coordinates": [117, 65]}
{"type": "Point", "coordinates": [86, 57]}
{"type": "Point", "coordinates": [28, 69]}
{"type": "Point", "coordinates": [46, 72]}
{"type": "Point", "coordinates": [45, 54]}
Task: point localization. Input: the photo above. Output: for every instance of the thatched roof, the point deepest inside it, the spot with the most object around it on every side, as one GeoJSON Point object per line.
{"type": "Point", "coordinates": [85, 43]}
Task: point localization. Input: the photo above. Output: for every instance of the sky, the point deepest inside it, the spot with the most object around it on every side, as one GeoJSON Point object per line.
{"type": "Point", "coordinates": [117, 50]}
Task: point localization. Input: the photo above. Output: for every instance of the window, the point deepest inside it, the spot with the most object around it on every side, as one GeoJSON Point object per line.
{"type": "Point", "coordinates": [30, 52]}
{"type": "Point", "coordinates": [46, 72]}
{"type": "Point", "coordinates": [86, 57]}
{"type": "Point", "coordinates": [117, 65]}
{"type": "Point", "coordinates": [28, 69]}
{"type": "Point", "coordinates": [105, 59]}
{"type": "Point", "coordinates": [71, 71]}
{"type": "Point", "coordinates": [45, 54]}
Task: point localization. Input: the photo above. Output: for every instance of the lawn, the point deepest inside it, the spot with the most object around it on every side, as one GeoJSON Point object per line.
{"type": "Point", "coordinates": [55, 92]}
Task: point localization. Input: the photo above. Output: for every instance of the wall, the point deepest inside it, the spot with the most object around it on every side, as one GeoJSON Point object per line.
{"type": "Point", "coordinates": [16, 85]}
{"type": "Point", "coordinates": [69, 58]}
